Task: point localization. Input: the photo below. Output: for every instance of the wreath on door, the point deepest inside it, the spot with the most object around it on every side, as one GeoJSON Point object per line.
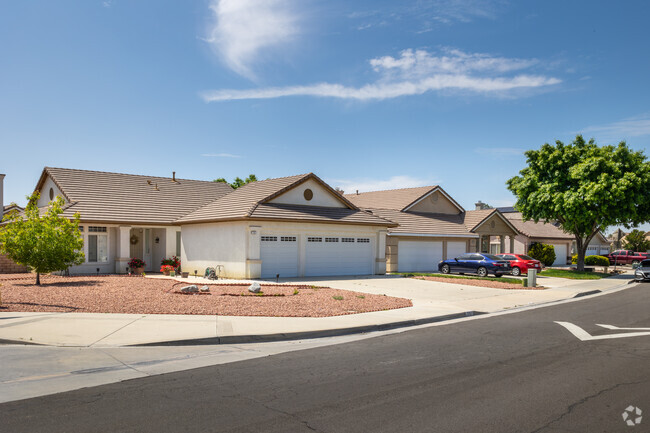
{"type": "Point", "coordinates": [134, 239]}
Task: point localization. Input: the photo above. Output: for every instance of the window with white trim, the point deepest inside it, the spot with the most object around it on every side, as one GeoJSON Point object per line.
{"type": "Point", "coordinates": [269, 238]}
{"type": "Point", "coordinates": [363, 240]}
{"type": "Point", "coordinates": [287, 238]}
{"type": "Point", "coordinates": [81, 228]}
{"type": "Point", "coordinates": [331, 239]}
{"type": "Point", "coordinates": [348, 240]}
{"type": "Point", "coordinates": [314, 239]}
{"type": "Point", "coordinates": [96, 229]}
{"type": "Point", "coordinates": [97, 249]}
{"type": "Point", "coordinates": [178, 244]}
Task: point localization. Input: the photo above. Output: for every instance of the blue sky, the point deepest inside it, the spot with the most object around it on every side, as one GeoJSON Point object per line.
{"type": "Point", "coordinates": [366, 94]}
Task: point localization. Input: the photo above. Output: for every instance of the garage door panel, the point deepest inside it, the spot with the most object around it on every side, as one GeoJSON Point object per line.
{"type": "Point", "coordinates": [456, 249]}
{"type": "Point", "coordinates": [279, 256]}
{"type": "Point", "coordinates": [560, 255]}
{"type": "Point", "coordinates": [416, 256]}
{"type": "Point", "coordinates": [338, 256]}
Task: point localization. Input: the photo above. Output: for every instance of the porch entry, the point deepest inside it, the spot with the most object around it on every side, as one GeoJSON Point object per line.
{"type": "Point", "coordinates": [141, 246]}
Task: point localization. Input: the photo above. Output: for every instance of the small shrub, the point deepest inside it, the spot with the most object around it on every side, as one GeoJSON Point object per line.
{"type": "Point", "coordinates": [543, 252]}
{"type": "Point", "coordinates": [295, 291]}
{"type": "Point", "coordinates": [591, 260]}
{"type": "Point", "coordinates": [338, 298]}
{"type": "Point", "coordinates": [361, 297]}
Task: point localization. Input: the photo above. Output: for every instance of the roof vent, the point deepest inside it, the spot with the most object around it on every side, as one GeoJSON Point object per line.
{"type": "Point", "coordinates": [148, 181]}
{"type": "Point", "coordinates": [156, 187]}
{"type": "Point", "coordinates": [357, 192]}
{"type": "Point", "coordinates": [173, 176]}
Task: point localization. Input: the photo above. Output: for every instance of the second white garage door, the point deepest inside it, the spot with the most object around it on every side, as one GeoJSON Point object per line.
{"type": "Point", "coordinates": [337, 255]}
{"type": "Point", "coordinates": [416, 256]}
{"type": "Point", "coordinates": [560, 255]}
{"type": "Point", "coordinates": [279, 256]}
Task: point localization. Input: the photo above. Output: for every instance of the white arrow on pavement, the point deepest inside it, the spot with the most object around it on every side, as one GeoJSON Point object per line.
{"type": "Point", "coordinates": [583, 335]}
{"type": "Point", "coordinates": [622, 329]}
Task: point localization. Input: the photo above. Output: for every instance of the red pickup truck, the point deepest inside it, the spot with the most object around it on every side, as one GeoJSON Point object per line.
{"type": "Point", "coordinates": [625, 257]}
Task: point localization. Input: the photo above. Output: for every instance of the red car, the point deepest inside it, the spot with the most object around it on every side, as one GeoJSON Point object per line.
{"type": "Point", "coordinates": [520, 263]}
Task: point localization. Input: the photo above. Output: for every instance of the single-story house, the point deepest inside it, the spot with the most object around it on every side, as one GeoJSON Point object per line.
{"type": "Point", "coordinates": [292, 226]}
{"type": "Point", "coordinates": [432, 226]}
{"type": "Point", "coordinates": [549, 233]}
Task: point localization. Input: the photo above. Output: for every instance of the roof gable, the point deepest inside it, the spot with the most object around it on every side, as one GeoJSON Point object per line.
{"type": "Point", "coordinates": [435, 201]}
{"type": "Point", "coordinates": [477, 219]}
{"type": "Point", "coordinates": [396, 199]}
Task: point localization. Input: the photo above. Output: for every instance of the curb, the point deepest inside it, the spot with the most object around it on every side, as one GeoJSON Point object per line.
{"type": "Point", "coordinates": [239, 339]}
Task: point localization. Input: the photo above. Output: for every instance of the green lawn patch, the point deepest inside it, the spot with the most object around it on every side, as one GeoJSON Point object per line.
{"type": "Point", "coordinates": [574, 275]}
{"type": "Point", "coordinates": [462, 277]}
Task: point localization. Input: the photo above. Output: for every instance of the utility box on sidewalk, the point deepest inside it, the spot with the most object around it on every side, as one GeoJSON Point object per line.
{"type": "Point", "coordinates": [532, 278]}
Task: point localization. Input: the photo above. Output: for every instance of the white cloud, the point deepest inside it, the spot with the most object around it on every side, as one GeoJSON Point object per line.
{"type": "Point", "coordinates": [243, 30]}
{"type": "Point", "coordinates": [221, 155]}
{"type": "Point", "coordinates": [107, 3]}
{"type": "Point", "coordinates": [364, 185]}
{"type": "Point", "coordinates": [633, 127]}
{"type": "Point", "coordinates": [413, 73]}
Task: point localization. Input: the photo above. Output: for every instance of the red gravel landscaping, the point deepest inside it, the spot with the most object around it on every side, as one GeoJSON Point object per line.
{"type": "Point", "coordinates": [500, 284]}
{"type": "Point", "coordinates": [138, 295]}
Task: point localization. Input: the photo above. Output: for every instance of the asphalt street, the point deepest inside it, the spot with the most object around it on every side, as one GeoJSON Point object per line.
{"type": "Point", "coordinates": [519, 372]}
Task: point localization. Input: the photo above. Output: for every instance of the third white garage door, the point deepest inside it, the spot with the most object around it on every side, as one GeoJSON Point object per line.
{"type": "Point", "coordinates": [455, 249]}
{"type": "Point", "coordinates": [560, 255]}
{"type": "Point", "coordinates": [417, 256]}
{"type": "Point", "coordinates": [338, 255]}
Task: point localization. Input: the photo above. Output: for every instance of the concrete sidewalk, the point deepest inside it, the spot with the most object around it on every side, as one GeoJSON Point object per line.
{"type": "Point", "coordinates": [432, 301]}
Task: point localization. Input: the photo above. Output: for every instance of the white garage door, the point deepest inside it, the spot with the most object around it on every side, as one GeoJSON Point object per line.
{"type": "Point", "coordinates": [414, 256]}
{"type": "Point", "coordinates": [455, 249]}
{"type": "Point", "coordinates": [560, 255]}
{"type": "Point", "coordinates": [338, 255]}
{"type": "Point", "coordinates": [279, 256]}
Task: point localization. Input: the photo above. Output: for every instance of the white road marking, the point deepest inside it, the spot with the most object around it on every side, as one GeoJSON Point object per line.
{"type": "Point", "coordinates": [583, 335]}
{"type": "Point", "coordinates": [622, 329]}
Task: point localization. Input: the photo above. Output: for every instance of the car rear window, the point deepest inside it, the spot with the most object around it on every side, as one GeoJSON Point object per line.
{"type": "Point", "coordinates": [526, 257]}
{"type": "Point", "coordinates": [491, 257]}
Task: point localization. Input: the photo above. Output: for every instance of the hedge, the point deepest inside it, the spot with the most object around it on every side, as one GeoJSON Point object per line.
{"type": "Point", "coordinates": [543, 252]}
{"type": "Point", "coordinates": [592, 260]}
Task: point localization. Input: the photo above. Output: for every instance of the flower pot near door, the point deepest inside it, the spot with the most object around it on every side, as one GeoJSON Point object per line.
{"type": "Point", "coordinates": [138, 271]}
{"type": "Point", "coordinates": [137, 265]}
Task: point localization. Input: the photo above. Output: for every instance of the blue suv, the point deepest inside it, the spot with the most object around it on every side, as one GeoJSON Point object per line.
{"type": "Point", "coordinates": [475, 263]}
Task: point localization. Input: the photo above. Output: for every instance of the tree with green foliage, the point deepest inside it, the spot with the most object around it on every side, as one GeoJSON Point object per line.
{"type": "Point", "coordinates": [238, 181]}
{"type": "Point", "coordinates": [636, 241]}
{"type": "Point", "coordinates": [45, 242]}
{"type": "Point", "coordinates": [543, 252]}
{"type": "Point", "coordinates": [584, 187]}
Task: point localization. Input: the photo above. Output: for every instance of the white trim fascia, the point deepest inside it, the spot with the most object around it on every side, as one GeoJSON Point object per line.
{"type": "Point", "coordinates": [432, 236]}
{"type": "Point", "coordinates": [438, 189]}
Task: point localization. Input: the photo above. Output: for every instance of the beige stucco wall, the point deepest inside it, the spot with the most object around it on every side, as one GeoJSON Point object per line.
{"type": "Point", "coordinates": [435, 203]}
{"type": "Point", "coordinates": [45, 192]}
{"type": "Point", "coordinates": [499, 228]}
{"type": "Point", "coordinates": [392, 247]}
{"type": "Point", "coordinates": [322, 197]}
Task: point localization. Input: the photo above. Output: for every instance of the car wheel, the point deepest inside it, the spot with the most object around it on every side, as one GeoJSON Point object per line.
{"type": "Point", "coordinates": [516, 271]}
{"type": "Point", "coordinates": [445, 269]}
{"type": "Point", "coordinates": [482, 271]}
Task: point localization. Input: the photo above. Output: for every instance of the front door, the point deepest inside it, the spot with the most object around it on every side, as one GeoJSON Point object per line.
{"type": "Point", "coordinates": [147, 255]}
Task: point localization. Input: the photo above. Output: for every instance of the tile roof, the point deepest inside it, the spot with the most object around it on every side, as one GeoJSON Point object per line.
{"type": "Point", "coordinates": [532, 229]}
{"type": "Point", "coordinates": [396, 199]}
{"type": "Point", "coordinates": [128, 198]}
{"type": "Point", "coordinates": [248, 202]}
{"type": "Point", "coordinates": [425, 223]}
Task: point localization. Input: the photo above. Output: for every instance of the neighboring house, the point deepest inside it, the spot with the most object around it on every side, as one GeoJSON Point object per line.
{"type": "Point", "coordinates": [293, 226]}
{"type": "Point", "coordinates": [548, 233]}
{"type": "Point", "coordinates": [8, 266]}
{"type": "Point", "coordinates": [432, 227]}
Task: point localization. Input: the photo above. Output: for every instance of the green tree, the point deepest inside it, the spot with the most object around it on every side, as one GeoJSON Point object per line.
{"type": "Point", "coordinates": [543, 252]}
{"type": "Point", "coordinates": [584, 187]}
{"type": "Point", "coordinates": [46, 243]}
{"type": "Point", "coordinates": [238, 181]}
{"type": "Point", "coordinates": [636, 241]}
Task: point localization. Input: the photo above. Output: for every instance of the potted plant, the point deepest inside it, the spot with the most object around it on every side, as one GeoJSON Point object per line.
{"type": "Point", "coordinates": [137, 265]}
{"type": "Point", "coordinates": [166, 269]}
{"type": "Point", "coordinates": [174, 262]}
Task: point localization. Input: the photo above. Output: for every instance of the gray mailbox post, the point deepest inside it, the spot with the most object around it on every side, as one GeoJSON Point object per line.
{"type": "Point", "coordinates": [532, 278]}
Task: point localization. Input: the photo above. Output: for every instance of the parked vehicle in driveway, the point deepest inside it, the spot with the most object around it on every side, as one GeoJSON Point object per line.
{"type": "Point", "coordinates": [642, 273]}
{"type": "Point", "coordinates": [625, 257]}
{"type": "Point", "coordinates": [520, 263]}
{"type": "Point", "coordinates": [475, 263]}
